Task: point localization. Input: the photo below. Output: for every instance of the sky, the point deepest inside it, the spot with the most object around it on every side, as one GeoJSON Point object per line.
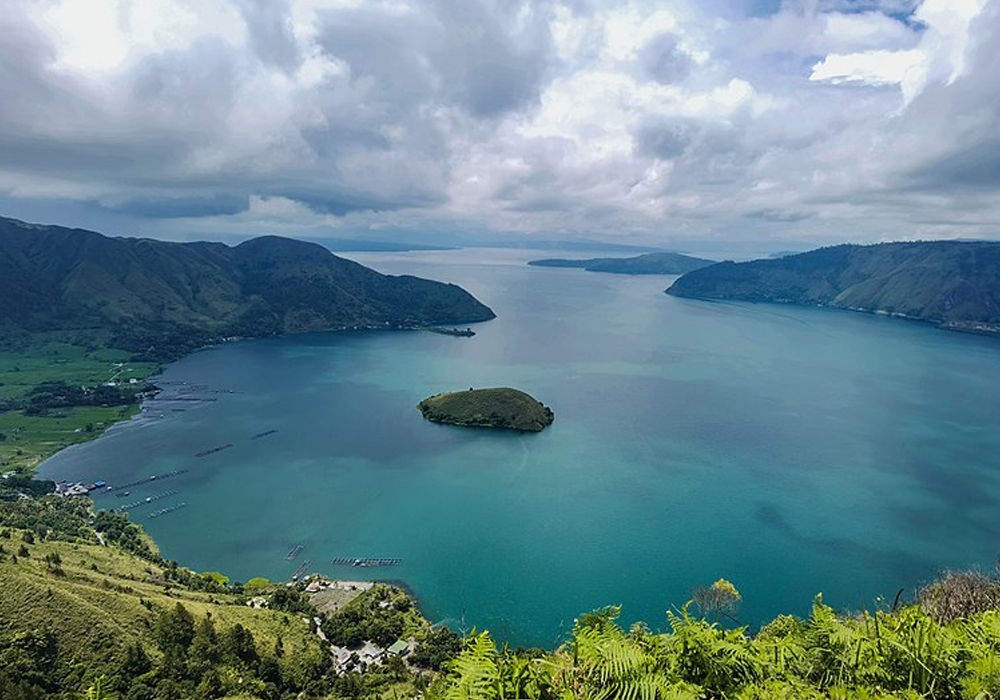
{"type": "Point", "coordinates": [686, 124]}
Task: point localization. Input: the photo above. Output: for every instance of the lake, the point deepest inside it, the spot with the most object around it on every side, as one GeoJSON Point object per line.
{"type": "Point", "coordinates": [789, 450]}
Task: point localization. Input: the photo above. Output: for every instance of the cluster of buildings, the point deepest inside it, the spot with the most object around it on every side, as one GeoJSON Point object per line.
{"type": "Point", "coordinates": [66, 488]}
{"type": "Point", "coordinates": [370, 654]}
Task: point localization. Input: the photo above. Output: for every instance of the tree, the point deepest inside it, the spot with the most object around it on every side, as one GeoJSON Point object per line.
{"type": "Point", "coordinates": [718, 600]}
{"type": "Point", "coordinates": [135, 663]}
{"type": "Point", "coordinates": [175, 629]}
{"type": "Point", "coordinates": [239, 646]}
{"type": "Point", "coordinates": [439, 646]}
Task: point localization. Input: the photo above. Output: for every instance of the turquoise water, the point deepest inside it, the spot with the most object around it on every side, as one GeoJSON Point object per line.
{"type": "Point", "coordinates": [790, 450]}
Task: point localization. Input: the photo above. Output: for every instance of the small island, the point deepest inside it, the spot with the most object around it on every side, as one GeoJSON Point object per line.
{"type": "Point", "coordinates": [504, 408]}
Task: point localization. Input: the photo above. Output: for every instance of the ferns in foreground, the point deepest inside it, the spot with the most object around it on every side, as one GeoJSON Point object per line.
{"type": "Point", "coordinates": [906, 654]}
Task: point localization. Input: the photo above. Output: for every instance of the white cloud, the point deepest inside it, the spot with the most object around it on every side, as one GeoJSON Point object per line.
{"type": "Point", "coordinates": [939, 55]}
{"type": "Point", "coordinates": [869, 67]}
{"type": "Point", "coordinates": [603, 117]}
{"type": "Point", "coordinates": [95, 37]}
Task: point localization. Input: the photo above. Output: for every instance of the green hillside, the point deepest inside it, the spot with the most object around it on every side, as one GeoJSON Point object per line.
{"type": "Point", "coordinates": [953, 284]}
{"type": "Point", "coordinates": [646, 264]}
{"type": "Point", "coordinates": [501, 407]}
{"type": "Point", "coordinates": [77, 615]}
{"type": "Point", "coordinates": [160, 299]}
{"type": "Point", "coordinates": [74, 610]}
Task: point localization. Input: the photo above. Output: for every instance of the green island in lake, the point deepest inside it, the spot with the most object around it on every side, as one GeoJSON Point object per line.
{"type": "Point", "coordinates": [504, 408]}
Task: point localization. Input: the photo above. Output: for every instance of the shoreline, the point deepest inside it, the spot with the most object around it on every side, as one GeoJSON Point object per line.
{"type": "Point", "coordinates": [136, 409]}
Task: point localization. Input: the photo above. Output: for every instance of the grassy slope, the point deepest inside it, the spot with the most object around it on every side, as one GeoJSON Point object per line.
{"type": "Point", "coordinates": [90, 610]}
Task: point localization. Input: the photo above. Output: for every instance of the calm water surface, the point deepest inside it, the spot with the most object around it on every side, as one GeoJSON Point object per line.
{"type": "Point", "coordinates": [791, 450]}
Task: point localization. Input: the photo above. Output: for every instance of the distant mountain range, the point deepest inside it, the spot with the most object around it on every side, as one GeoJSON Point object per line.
{"type": "Point", "coordinates": [162, 299]}
{"type": "Point", "coordinates": [647, 264]}
{"type": "Point", "coordinates": [953, 284]}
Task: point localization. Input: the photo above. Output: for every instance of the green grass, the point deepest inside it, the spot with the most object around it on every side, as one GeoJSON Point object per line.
{"type": "Point", "coordinates": [102, 598]}
{"type": "Point", "coordinates": [29, 360]}
{"type": "Point", "coordinates": [49, 359]}
{"type": "Point", "coordinates": [31, 439]}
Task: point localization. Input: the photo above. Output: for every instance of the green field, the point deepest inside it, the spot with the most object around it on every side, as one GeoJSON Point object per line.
{"type": "Point", "coordinates": [27, 440]}
{"type": "Point", "coordinates": [54, 360]}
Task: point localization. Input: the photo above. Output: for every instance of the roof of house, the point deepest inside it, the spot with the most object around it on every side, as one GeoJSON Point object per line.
{"type": "Point", "coordinates": [399, 647]}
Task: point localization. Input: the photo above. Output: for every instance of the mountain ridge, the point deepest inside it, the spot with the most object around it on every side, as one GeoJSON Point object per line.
{"type": "Point", "coordinates": [953, 284]}
{"type": "Point", "coordinates": [57, 278]}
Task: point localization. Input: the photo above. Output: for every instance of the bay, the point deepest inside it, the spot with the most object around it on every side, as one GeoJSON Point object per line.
{"type": "Point", "coordinates": [792, 451]}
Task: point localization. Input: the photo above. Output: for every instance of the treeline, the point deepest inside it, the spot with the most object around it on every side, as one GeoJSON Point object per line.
{"type": "Point", "coordinates": [16, 485]}
{"type": "Point", "coordinates": [48, 516]}
{"type": "Point", "coordinates": [199, 661]}
{"type": "Point", "coordinates": [159, 342]}
{"type": "Point", "coordinates": [59, 394]}
{"type": "Point", "coordinates": [190, 659]}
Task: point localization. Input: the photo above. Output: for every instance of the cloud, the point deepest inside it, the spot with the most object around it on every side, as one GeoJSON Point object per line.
{"type": "Point", "coordinates": [813, 120]}
{"type": "Point", "coordinates": [663, 60]}
{"type": "Point", "coordinates": [183, 206]}
{"type": "Point", "coordinates": [868, 67]}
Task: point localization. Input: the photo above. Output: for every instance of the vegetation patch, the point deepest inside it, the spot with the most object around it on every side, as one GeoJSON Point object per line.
{"type": "Point", "coordinates": [503, 408]}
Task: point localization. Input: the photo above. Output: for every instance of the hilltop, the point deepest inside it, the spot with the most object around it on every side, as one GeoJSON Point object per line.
{"type": "Point", "coordinates": [502, 407]}
{"type": "Point", "coordinates": [955, 285]}
{"type": "Point", "coordinates": [647, 264]}
{"type": "Point", "coordinates": [161, 299]}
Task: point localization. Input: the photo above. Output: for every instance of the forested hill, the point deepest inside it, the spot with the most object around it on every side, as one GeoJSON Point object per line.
{"type": "Point", "coordinates": [168, 295]}
{"type": "Point", "coordinates": [646, 264]}
{"type": "Point", "coordinates": [954, 284]}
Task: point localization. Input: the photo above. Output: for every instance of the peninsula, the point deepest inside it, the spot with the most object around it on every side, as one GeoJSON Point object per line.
{"type": "Point", "coordinates": [504, 408]}
{"type": "Point", "coordinates": [647, 264]}
{"type": "Point", "coordinates": [953, 284]}
{"type": "Point", "coordinates": [160, 299]}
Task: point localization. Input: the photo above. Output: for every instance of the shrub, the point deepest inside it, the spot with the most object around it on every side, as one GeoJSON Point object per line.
{"type": "Point", "coordinates": [959, 594]}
